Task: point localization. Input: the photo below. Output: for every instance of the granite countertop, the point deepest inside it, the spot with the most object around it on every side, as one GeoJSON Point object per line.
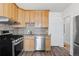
{"type": "Point", "coordinates": [29, 36]}
{"type": "Point", "coordinates": [36, 35]}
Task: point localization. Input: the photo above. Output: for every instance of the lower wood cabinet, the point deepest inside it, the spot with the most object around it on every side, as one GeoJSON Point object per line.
{"type": "Point", "coordinates": [26, 44]}
{"type": "Point", "coordinates": [48, 43]}
{"type": "Point", "coordinates": [29, 43]}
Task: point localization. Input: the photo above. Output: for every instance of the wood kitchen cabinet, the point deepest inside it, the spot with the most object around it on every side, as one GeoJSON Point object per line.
{"type": "Point", "coordinates": [21, 18]}
{"type": "Point", "coordinates": [14, 12]}
{"type": "Point", "coordinates": [1, 9]}
{"type": "Point", "coordinates": [8, 10]}
{"type": "Point", "coordinates": [32, 43]}
{"type": "Point", "coordinates": [29, 43]}
{"type": "Point", "coordinates": [44, 19]}
{"type": "Point", "coordinates": [27, 16]}
{"type": "Point", "coordinates": [26, 44]}
{"type": "Point", "coordinates": [48, 43]}
{"type": "Point", "coordinates": [4, 9]}
{"type": "Point", "coordinates": [38, 18]}
{"type": "Point", "coordinates": [32, 16]}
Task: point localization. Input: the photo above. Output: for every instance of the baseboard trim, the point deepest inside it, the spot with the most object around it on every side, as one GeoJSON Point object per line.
{"type": "Point", "coordinates": [39, 50]}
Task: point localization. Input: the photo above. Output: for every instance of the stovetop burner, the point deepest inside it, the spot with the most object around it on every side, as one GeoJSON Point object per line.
{"type": "Point", "coordinates": [10, 37]}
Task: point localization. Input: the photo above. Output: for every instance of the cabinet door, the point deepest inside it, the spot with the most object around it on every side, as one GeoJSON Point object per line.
{"type": "Point", "coordinates": [26, 16]}
{"type": "Point", "coordinates": [48, 46]}
{"type": "Point", "coordinates": [1, 9]}
{"type": "Point", "coordinates": [38, 18]}
{"type": "Point", "coordinates": [21, 17]}
{"type": "Point", "coordinates": [44, 19]}
{"type": "Point", "coordinates": [32, 16]}
{"type": "Point", "coordinates": [26, 44]}
{"type": "Point", "coordinates": [10, 11]}
{"type": "Point", "coordinates": [14, 12]}
{"type": "Point", "coordinates": [32, 44]}
{"type": "Point", "coordinates": [29, 43]}
{"type": "Point", "coordinates": [35, 17]}
{"type": "Point", "coordinates": [6, 10]}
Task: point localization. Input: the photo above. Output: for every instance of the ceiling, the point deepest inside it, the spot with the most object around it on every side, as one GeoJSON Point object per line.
{"type": "Point", "coordinates": [55, 7]}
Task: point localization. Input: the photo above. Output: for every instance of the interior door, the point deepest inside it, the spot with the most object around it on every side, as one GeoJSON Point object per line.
{"type": "Point", "coordinates": [67, 29]}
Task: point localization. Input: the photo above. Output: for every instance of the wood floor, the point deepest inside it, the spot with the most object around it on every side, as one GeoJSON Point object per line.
{"type": "Point", "coordinates": [55, 51]}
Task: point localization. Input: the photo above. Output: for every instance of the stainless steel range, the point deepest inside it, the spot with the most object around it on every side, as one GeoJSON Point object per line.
{"type": "Point", "coordinates": [11, 45]}
{"type": "Point", "coordinates": [17, 46]}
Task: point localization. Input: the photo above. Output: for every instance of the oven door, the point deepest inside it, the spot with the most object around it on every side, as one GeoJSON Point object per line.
{"type": "Point", "coordinates": [18, 48]}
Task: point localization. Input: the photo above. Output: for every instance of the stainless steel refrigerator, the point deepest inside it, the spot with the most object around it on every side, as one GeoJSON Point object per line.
{"type": "Point", "coordinates": [76, 37]}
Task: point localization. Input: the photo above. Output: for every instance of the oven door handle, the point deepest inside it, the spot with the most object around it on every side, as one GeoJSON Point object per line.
{"type": "Point", "coordinates": [76, 44]}
{"type": "Point", "coordinates": [18, 42]}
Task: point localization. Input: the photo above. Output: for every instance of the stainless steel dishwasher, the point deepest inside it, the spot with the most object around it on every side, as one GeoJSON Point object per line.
{"type": "Point", "coordinates": [39, 43]}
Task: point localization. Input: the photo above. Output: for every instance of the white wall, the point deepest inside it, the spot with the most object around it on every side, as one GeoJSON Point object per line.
{"type": "Point", "coordinates": [56, 28]}
{"type": "Point", "coordinates": [71, 12]}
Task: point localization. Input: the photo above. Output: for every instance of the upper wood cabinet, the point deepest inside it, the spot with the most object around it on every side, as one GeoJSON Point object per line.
{"type": "Point", "coordinates": [1, 9]}
{"type": "Point", "coordinates": [14, 12]}
{"type": "Point", "coordinates": [44, 18]}
{"type": "Point", "coordinates": [21, 17]}
{"type": "Point", "coordinates": [8, 10]}
{"type": "Point", "coordinates": [38, 18]}
{"type": "Point", "coordinates": [32, 15]}
{"type": "Point", "coordinates": [35, 17]}
{"type": "Point", "coordinates": [27, 16]}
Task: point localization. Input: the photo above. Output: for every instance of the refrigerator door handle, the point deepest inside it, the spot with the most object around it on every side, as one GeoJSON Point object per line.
{"type": "Point", "coordinates": [76, 44]}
